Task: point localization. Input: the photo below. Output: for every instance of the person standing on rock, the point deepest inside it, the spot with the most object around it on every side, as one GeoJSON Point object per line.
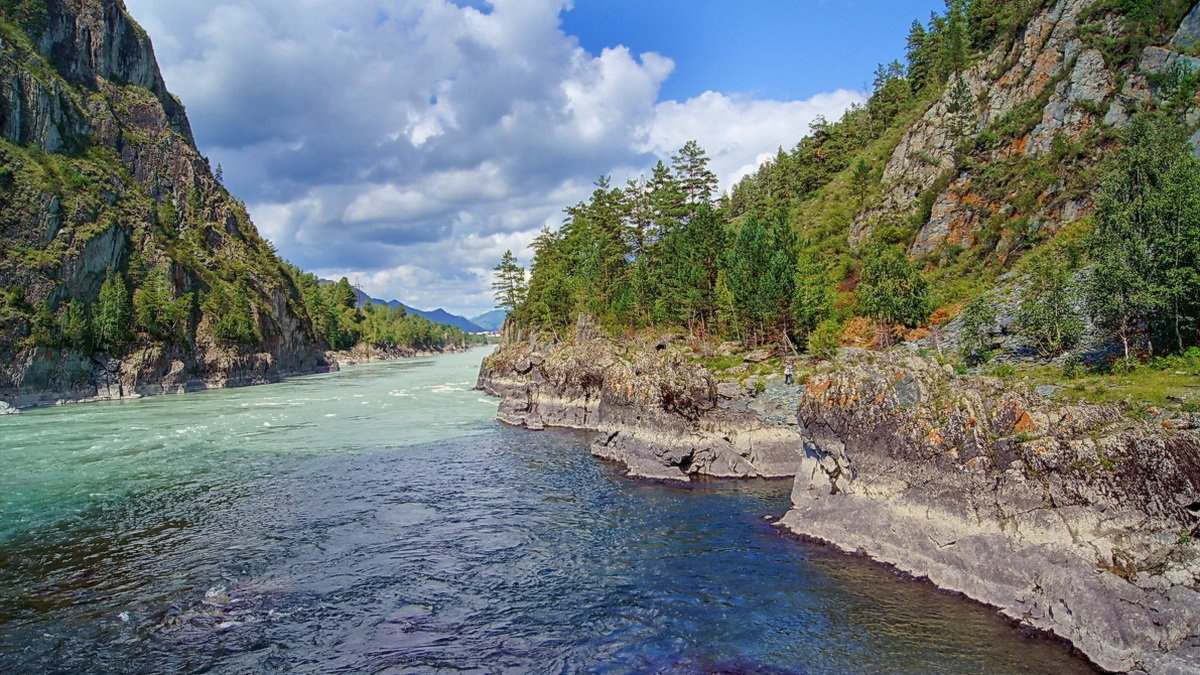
{"type": "Point", "coordinates": [788, 371]}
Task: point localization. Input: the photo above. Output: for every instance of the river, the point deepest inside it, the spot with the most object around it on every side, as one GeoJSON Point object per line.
{"type": "Point", "coordinates": [378, 520]}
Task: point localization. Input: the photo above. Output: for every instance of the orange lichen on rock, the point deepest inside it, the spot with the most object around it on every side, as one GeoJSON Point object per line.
{"type": "Point", "coordinates": [1018, 146]}
{"type": "Point", "coordinates": [1025, 423]}
{"type": "Point", "coordinates": [815, 389]}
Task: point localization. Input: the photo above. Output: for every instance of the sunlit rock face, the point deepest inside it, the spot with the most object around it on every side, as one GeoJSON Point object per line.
{"type": "Point", "coordinates": [1050, 90]}
{"type": "Point", "coordinates": [657, 414]}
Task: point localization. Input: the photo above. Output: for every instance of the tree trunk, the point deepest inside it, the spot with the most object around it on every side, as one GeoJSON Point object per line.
{"type": "Point", "coordinates": [1178, 331]}
{"type": "Point", "coordinates": [788, 342]}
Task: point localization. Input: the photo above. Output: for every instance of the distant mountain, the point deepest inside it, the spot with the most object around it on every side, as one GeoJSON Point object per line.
{"type": "Point", "coordinates": [438, 315]}
{"type": "Point", "coordinates": [492, 320]}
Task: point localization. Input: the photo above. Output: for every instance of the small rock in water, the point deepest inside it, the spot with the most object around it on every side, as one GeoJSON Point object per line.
{"type": "Point", "coordinates": [124, 617]}
{"type": "Point", "coordinates": [6, 409]}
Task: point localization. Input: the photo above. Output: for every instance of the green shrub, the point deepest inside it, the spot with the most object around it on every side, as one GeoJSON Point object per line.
{"type": "Point", "coordinates": [232, 316]}
{"type": "Point", "coordinates": [825, 339]}
{"type": "Point", "coordinates": [1125, 366]}
{"type": "Point", "coordinates": [1072, 366]}
{"type": "Point", "coordinates": [1004, 371]}
{"type": "Point", "coordinates": [975, 337]}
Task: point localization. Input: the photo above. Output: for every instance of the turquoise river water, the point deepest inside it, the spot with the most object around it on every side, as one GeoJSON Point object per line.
{"type": "Point", "coordinates": [378, 520]}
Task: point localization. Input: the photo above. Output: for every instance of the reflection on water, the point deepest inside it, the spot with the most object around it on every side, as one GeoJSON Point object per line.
{"type": "Point", "coordinates": [377, 521]}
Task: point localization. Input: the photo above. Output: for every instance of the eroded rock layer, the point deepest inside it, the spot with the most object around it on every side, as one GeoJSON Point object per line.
{"type": "Point", "coordinates": [656, 413]}
{"type": "Point", "coordinates": [1077, 520]}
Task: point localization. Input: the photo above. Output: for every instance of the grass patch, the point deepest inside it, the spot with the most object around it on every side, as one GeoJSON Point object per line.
{"type": "Point", "coordinates": [1162, 383]}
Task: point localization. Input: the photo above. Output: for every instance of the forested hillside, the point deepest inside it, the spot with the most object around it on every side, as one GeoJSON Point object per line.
{"type": "Point", "coordinates": [125, 266]}
{"type": "Point", "coordinates": [1030, 145]}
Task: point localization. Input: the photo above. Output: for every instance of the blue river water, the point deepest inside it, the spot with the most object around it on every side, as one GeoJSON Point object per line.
{"type": "Point", "coordinates": [379, 521]}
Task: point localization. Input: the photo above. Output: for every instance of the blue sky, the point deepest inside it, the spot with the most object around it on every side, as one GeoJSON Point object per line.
{"type": "Point", "coordinates": [408, 143]}
{"type": "Point", "coordinates": [781, 49]}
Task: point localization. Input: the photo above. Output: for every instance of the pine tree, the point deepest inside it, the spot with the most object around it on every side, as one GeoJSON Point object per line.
{"type": "Point", "coordinates": [919, 63]}
{"type": "Point", "coordinates": [113, 313]}
{"type": "Point", "coordinates": [755, 268]}
{"type": "Point", "coordinates": [955, 41]}
{"type": "Point", "coordinates": [75, 327]}
{"type": "Point", "coordinates": [860, 181]}
{"type": "Point", "coordinates": [231, 313]}
{"type": "Point", "coordinates": [343, 294]}
{"type": "Point", "coordinates": [890, 93]}
{"type": "Point", "coordinates": [691, 170]}
{"type": "Point", "coordinates": [961, 109]}
{"type": "Point", "coordinates": [726, 307]}
{"type": "Point", "coordinates": [594, 239]}
{"type": "Point", "coordinates": [509, 284]}
{"type": "Point", "coordinates": [811, 303]}
{"type": "Point", "coordinates": [668, 200]}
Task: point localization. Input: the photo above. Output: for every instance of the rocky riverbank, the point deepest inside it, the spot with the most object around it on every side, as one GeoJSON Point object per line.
{"type": "Point", "coordinates": [1074, 519]}
{"type": "Point", "coordinates": [152, 372]}
{"type": "Point", "coordinates": [364, 353]}
{"type": "Point", "coordinates": [1078, 520]}
{"type": "Point", "coordinates": [62, 378]}
{"type": "Point", "coordinates": [657, 414]}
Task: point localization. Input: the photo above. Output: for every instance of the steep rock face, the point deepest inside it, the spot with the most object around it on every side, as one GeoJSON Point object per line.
{"type": "Point", "coordinates": [101, 175]}
{"type": "Point", "coordinates": [1075, 520]}
{"type": "Point", "coordinates": [979, 159]}
{"type": "Point", "coordinates": [656, 414]}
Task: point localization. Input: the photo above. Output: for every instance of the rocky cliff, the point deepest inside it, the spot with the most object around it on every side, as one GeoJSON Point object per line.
{"type": "Point", "coordinates": [101, 178]}
{"type": "Point", "coordinates": [1079, 520]}
{"type": "Point", "coordinates": [1005, 156]}
{"type": "Point", "coordinates": [657, 414]}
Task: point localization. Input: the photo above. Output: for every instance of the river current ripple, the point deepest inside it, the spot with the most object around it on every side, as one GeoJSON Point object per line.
{"type": "Point", "coordinates": [378, 521]}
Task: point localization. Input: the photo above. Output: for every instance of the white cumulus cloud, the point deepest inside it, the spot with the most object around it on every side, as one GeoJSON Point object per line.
{"type": "Point", "coordinates": [408, 143]}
